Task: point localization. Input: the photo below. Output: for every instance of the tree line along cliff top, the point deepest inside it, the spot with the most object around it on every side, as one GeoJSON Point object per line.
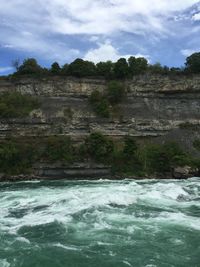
{"type": "Point", "coordinates": [121, 69]}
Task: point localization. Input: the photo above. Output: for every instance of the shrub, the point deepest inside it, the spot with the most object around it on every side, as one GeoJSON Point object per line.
{"type": "Point", "coordinates": [115, 92]}
{"type": "Point", "coordinates": [162, 158]}
{"type": "Point", "coordinates": [81, 68]}
{"type": "Point", "coordinates": [59, 148]}
{"type": "Point", "coordinates": [196, 144]}
{"type": "Point", "coordinates": [121, 69]}
{"type": "Point", "coordinates": [55, 69]}
{"type": "Point", "coordinates": [29, 67]}
{"type": "Point", "coordinates": [68, 113]}
{"type": "Point", "coordinates": [99, 104]}
{"type": "Point", "coordinates": [193, 63]}
{"type": "Point", "coordinates": [99, 147]}
{"type": "Point", "coordinates": [16, 157]}
{"type": "Point", "coordinates": [137, 65]}
{"type": "Point", "coordinates": [16, 105]}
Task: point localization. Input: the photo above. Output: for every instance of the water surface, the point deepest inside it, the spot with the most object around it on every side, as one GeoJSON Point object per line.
{"type": "Point", "coordinates": [147, 223]}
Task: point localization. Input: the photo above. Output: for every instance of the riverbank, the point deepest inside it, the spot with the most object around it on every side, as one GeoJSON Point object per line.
{"type": "Point", "coordinates": [95, 173]}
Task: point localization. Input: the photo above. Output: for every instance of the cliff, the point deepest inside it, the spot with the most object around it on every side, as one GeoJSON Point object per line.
{"type": "Point", "coordinates": [156, 108]}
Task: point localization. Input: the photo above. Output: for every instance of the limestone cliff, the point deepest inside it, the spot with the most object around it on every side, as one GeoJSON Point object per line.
{"type": "Point", "coordinates": [155, 107]}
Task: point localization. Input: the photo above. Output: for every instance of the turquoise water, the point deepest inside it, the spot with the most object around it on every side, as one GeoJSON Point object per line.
{"type": "Point", "coordinates": [100, 223]}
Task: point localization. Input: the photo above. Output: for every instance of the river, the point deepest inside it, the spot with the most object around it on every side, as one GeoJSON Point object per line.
{"type": "Point", "coordinates": [147, 223]}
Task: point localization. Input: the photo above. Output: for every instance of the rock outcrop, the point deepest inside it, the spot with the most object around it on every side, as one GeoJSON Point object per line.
{"type": "Point", "coordinates": [155, 108]}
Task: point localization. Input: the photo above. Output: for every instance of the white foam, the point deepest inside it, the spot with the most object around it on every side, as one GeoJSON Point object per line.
{"type": "Point", "coordinates": [23, 239]}
{"type": "Point", "coordinates": [127, 263]}
{"type": "Point", "coordinates": [59, 245]}
{"type": "Point", "coordinates": [4, 263]}
{"type": "Point", "coordinates": [62, 203]}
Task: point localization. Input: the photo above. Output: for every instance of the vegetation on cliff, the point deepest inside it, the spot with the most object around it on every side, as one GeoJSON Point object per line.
{"type": "Point", "coordinates": [121, 69]}
{"type": "Point", "coordinates": [103, 103]}
{"type": "Point", "coordinates": [16, 105]}
{"type": "Point", "coordinates": [17, 155]}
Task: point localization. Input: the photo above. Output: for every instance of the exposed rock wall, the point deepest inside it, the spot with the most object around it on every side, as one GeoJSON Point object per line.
{"type": "Point", "coordinates": [155, 106]}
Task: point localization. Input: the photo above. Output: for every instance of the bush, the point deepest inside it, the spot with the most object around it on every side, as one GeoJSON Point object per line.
{"type": "Point", "coordinates": [196, 144]}
{"type": "Point", "coordinates": [162, 158]}
{"type": "Point", "coordinates": [16, 105]}
{"type": "Point", "coordinates": [99, 104]}
{"type": "Point", "coordinates": [59, 148]}
{"type": "Point", "coordinates": [137, 65]}
{"type": "Point", "coordinates": [193, 63]}
{"type": "Point", "coordinates": [115, 92]}
{"type": "Point", "coordinates": [16, 157]}
{"type": "Point", "coordinates": [55, 69]}
{"type": "Point", "coordinates": [121, 69]}
{"type": "Point", "coordinates": [81, 68]}
{"type": "Point", "coordinates": [99, 147]}
{"type": "Point", "coordinates": [29, 67]}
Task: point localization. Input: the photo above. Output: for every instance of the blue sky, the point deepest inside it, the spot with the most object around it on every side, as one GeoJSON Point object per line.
{"type": "Point", "coordinates": [164, 31]}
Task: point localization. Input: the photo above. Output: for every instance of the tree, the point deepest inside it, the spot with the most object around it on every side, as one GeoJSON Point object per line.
{"type": "Point", "coordinates": [99, 147]}
{"type": "Point", "coordinates": [121, 69]}
{"type": "Point", "coordinates": [65, 69]}
{"type": "Point", "coordinates": [55, 68]}
{"type": "Point", "coordinates": [29, 66]}
{"type": "Point", "coordinates": [81, 68]}
{"type": "Point", "coordinates": [105, 69]}
{"type": "Point", "coordinates": [99, 104]}
{"type": "Point", "coordinates": [16, 105]}
{"type": "Point", "coordinates": [115, 92]}
{"type": "Point", "coordinates": [137, 65]}
{"type": "Point", "coordinates": [193, 63]}
{"type": "Point", "coordinates": [130, 148]}
{"type": "Point", "coordinates": [59, 148]}
{"type": "Point", "coordinates": [156, 68]}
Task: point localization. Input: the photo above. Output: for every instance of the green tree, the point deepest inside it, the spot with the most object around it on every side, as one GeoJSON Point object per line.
{"type": "Point", "coordinates": [16, 105]}
{"type": "Point", "coordinates": [132, 163]}
{"type": "Point", "coordinates": [99, 104]}
{"type": "Point", "coordinates": [65, 69]}
{"type": "Point", "coordinates": [156, 68]}
{"type": "Point", "coordinates": [29, 66]}
{"type": "Point", "coordinates": [16, 157]}
{"type": "Point", "coordinates": [121, 69]}
{"type": "Point", "coordinates": [130, 147]}
{"type": "Point", "coordinates": [99, 147]}
{"type": "Point", "coordinates": [137, 65]}
{"type": "Point", "coordinates": [55, 69]}
{"type": "Point", "coordinates": [115, 92]}
{"type": "Point", "coordinates": [105, 69]}
{"type": "Point", "coordinates": [59, 148]}
{"type": "Point", "coordinates": [196, 144]}
{"type": "Point", "coordinates": [81, 68]}
{"type": "Point", "coordinates": [193, 63]}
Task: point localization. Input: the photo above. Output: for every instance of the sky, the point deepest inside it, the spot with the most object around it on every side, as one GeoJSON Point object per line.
{"type": "Point", "coordinates": [165, 31]}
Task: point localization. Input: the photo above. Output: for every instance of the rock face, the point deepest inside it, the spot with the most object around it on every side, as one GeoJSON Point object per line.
{"type": "Point", "coordinates": [184, 172]}
{"type": "Point", "coordinates": [156, 107]}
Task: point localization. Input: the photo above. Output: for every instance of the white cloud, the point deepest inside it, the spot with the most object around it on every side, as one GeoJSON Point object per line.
{"type": "Point", "coordinates": [196, 17]}
{"type": "Point", "coordinates": [90, 16]}
{"type": "Point", "coordinates": [36, 26]}
{"type": "Point", "coordinates": [107, 52]}
{"type": "Point", "coordinates": [106, 17]}
{"type": "Point", "coordinates": [188, 52]}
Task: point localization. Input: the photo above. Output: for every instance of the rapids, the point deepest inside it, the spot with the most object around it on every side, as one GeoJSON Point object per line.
{"type": "Point", "coordinates": [147, 223]}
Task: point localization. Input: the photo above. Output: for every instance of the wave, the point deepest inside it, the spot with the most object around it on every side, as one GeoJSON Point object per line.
{"type": "Point", "coordinates": [100, 217]}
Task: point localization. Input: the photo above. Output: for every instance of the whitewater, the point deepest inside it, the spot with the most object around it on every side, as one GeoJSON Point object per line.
{"type": "Point", "coordinates": [100, 223]}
